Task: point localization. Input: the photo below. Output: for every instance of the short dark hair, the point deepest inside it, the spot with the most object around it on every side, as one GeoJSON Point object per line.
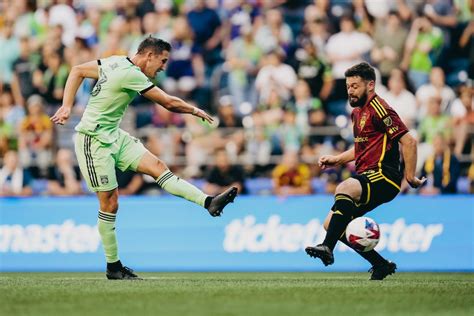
{"type": "Point", "coordinates": [156, 45]}
{"type": "Point", "coordinates": [363, 70]}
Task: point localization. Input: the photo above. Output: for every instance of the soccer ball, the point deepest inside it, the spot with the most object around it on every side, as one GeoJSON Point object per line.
{"type": "Point", "coordinates": [363, 234]}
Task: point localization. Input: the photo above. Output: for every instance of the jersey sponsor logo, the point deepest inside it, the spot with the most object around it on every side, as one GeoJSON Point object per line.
{"type": "Point", "coordinates": [104, 180]}
{"type": "Point", "coordinates": [388, 121]}
{"type": "Point", "coordinates": [361, 139]}
{"type": "Point", "coordinates": [362, 122]}
{"type": "Point", "coordinates": [113, 66]}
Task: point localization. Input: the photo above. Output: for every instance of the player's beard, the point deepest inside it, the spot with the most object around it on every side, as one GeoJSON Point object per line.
{"type": "Point", "coordinates": [359, 102]}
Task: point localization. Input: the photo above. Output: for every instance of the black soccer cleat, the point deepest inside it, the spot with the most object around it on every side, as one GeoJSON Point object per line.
{"type": "Point", "coordinates": [220, 201]}
{"type": "Point", "coordinates": [322, 252]}
{"type": "Point", "coordinates": [380, 272]}
{"type": "Point", "coordinates": [124, 273]}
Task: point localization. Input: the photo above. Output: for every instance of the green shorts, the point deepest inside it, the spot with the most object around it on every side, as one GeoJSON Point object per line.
{"type": "Point", "coordinates": [98, 161]}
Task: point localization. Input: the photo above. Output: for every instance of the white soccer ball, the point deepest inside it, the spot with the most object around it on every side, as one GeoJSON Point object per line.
{"type": "Point", "coordinates": [363, 234]}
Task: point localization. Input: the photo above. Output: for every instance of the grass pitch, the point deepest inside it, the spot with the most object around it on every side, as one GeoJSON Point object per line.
{"type": "Point", "coordinates": [237, 294]}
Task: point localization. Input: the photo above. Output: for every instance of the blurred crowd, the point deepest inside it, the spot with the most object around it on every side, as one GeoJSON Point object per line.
{"type": "Point", "coordinates": [272, 73]}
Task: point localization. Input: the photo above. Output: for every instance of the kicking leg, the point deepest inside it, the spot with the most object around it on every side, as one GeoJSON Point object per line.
{"type": "Point", "coordinates": [106, 224]}
{"type": "Point", "coordinates": [151, 165]}
{"type": "Point", "coordinates": [344, 210]}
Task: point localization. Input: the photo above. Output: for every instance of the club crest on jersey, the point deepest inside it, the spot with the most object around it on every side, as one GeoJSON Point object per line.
{"type": "Point", "coordinates": [362, 122]}
{"type": "Point", "coordinates": [104, 180]}
{"type": "Point", "coordinates": [388, 121]}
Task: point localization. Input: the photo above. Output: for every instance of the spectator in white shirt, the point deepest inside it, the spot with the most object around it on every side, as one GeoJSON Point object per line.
{"type": "Point", "coordinates": [348, 47]}
{"type": "Point", "coordinates": [275, 75]}
{"type": "Point", "coordinates": [436, 87]}
{"type": "Point", "coordinates": [402, 100]}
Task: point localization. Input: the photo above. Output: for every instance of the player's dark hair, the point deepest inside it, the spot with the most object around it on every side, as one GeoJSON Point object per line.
{"type": "Point", "coordinates": [363, 70]}
{"type": "Point", "coordinates": [156, 45]}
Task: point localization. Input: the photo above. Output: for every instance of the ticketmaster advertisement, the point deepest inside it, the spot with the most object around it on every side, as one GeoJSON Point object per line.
{"type": "Point", "coordinates": [254, 234]}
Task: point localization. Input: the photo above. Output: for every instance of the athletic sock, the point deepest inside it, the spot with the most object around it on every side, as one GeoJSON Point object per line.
{"type": "Point", "coordinates": [179, 187]}
{"type": "Point", "coordinates": [371, 256]}
{"type": "Point", "coordinates": [343, 212]}
{"type": "Point", "coordinates": [106, 225]}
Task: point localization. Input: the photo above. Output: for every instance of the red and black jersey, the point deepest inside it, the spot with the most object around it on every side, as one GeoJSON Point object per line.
{"type": "Point", "coordinates": [377, 129]}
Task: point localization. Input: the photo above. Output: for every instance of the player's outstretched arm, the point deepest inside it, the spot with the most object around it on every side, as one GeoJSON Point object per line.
{"type": "Point", "coordinates": [74, 80]}
{"type": "Point", "coordinates": [409, 152]}
{"type": "Point", "coordinates": [175, 104]}
{"type": "Point", "coordinates": [327, 161]}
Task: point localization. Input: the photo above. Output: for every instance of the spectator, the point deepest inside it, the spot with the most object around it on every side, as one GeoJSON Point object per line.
{"type": "Point", "coordinates": [274, 33]}
{"type": "Point", "coordinates": [243, 57]}
{"type": "Point", "coordinates": [402, 100]}
{"type": "Point", "coordinates": [305, 105]}
{"type": "Point", "coordinates": [208, 32]}
{"type": "Point", "coordinates": [291, 177]}
{"type": "Point", "coordinates": [422, 48]}
{"type": "Point", "coordinates": [6, 134]}
{"type": "Point", "coordinates": [275, 76]}
{"type": "Point", "coordinates": [433, 123]}
{"type": "Point", "coordinates": [322, 10]}
{"type": "Point", "coordinates": [467, 42]}
{"type": "Point", "coordinates": [314, 70]}
{"type": "Point", "coordinates": [317, 32]}
{"type": "Point", "coordinates": [290, 134]}
{"type": "Point", "coordinates": [224, 175]}
{"type": "Point", "coordinates": [64, 177]}
{"type": "Point", "coordinates": [164, 20]}
{"type": "Point", "coordinates": [362, 16]}
{"type": "Point", "coordinates": [240, 14]}
{"type": "Point", "coordinates": [389, 42]}
{"type": "Point", "coordinates": [258, 145]}
{"type": "Point", "coordinates": [14, 180]}
{"type": "Point", "coordinates": [441, 169]}
{"type": "Point", "coordinates": [185, 69]}
{"type": "Point", "coordinates": [23, 68]}
{"type": "Point", "coordinates": [36, 136]}
{"type": "Point", "coordinates": [63, 14]}
{"type": "Point", "coordinates": [10, 52]}
{"type": "Point", "coordinates": [231, 136]}
{"type": "Point", "coordinates": [462, 112]}
{"type": "Point", "coordinates": [53, 78]}
{"type": "Point", "coordinates": [343, 55]}
{"type": "Point", "coordinates": [13, 114]}
{"type": "Point", "coordinates": [436, 87]}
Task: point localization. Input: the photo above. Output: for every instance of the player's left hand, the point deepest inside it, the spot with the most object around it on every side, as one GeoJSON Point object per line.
{"type": "Point", "coordinates": [202, 114]}
{"type": "Point", "coordinates": [416, 183]}
{"type": "Point", "coordinates": [61, 115]}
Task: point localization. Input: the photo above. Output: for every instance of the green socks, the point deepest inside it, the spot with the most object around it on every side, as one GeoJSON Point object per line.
{"type": "Point", "coordinates": [179, 187]}
{"type": "Point", "coordinates": [106, 225]}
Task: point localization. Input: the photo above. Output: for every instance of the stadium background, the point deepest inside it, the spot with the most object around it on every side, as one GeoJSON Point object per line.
{"type": "Point", "coordinates": [272, 73]}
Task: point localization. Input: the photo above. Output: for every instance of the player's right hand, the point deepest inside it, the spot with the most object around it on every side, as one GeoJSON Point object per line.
{"type": "Point", "coordinates": [327, 161]}
{"type": "Point", "coordinates": [61, 115]}
{"type": "Point", "coordinates": [203, 114]}
{"type": "Point", "coordinates": [415, 182]}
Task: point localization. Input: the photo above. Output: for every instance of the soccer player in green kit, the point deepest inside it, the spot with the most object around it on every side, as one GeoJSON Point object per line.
{"type": "Point", "coordinates": [101, 145]}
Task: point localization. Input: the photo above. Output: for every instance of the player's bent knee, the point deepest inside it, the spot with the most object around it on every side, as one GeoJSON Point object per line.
{"type": "Point", "coordinates": [350, 187]}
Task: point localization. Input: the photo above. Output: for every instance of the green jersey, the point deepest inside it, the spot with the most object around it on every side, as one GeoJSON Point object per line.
{"type": "Point", "coordinates": [119, 82]}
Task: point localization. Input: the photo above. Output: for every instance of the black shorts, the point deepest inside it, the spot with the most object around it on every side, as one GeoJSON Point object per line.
{"type": "Point", "coordinates": [377, 189]}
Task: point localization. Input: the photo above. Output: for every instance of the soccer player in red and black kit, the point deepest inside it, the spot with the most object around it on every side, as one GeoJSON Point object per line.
{"type": "Point", "coordinates": [378, 131]}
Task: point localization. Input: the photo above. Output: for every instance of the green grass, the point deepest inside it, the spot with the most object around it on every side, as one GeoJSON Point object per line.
{"type": "Point", "coordinates": [237, 294]}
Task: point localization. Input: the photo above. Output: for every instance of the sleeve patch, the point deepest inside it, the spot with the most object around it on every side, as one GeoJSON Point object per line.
{"type": "Point", "coordinates": [388, 121]}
